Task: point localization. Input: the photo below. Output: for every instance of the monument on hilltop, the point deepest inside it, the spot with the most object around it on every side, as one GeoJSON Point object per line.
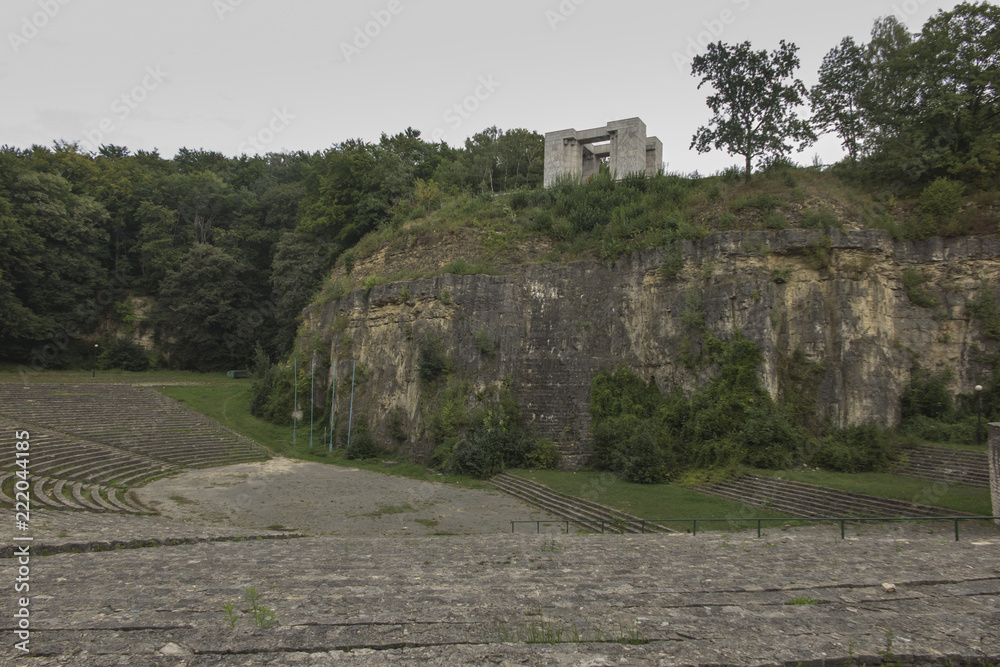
{"type": "Point", "coordinates": [623, 143]}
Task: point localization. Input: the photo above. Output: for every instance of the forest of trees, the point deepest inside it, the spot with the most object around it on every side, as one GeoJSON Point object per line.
{"type": "Point", "coordinates": [228, 250]}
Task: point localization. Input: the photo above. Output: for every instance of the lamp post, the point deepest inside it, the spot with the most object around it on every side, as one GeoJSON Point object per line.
{"type": "Point", "coordinates": [94, 374]}
{"type": "Point", "coordinates": [979, 415]}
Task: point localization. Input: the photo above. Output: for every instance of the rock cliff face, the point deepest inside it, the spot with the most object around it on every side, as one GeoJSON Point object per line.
{"type": "Point", "coordinates": [838, 298]}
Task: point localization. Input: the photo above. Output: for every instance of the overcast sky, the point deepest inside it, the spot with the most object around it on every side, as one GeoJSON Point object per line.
{"type": "Point", "coordinates": [253, 76]}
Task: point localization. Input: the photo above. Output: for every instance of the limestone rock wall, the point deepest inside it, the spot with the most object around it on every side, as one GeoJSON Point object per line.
{"type": "Point", "coordinates": [836, 296]}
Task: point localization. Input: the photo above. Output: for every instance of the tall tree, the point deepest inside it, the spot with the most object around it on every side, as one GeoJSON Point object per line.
{"type": "Point", "coordinates": [754, 102]}
{"type": "Point", "coordinates": [888, 96]}
{"type": "Point", "coordinates": [958, 88]}
{"type": "Point", "coordinates": [836, 99]}
{"type": "Point", "coordinates": [205, 318]}
{"type": "Point", "coordinates": [52, 249]}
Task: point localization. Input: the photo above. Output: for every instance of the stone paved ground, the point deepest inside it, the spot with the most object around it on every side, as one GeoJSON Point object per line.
{"type": "Point", "coordinates": [321, 499]}
{"type": "Point", "coordinates": [446, 600]}
{"type": "Point", "coordinates": [378, 593]}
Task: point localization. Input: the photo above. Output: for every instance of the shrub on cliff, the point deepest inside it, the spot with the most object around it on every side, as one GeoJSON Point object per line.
{"type": "Point", "coordinates": [432, 362]}
{"type": "Point", "coordinates": [362, 443]}
{"type": "Point", "coordinates": [124, 354]}
{"type": "Point", "coordinates": [927, 395]}
{"type": "Point", "coordinates": [645, 436]}
{"type": "Point", "coordinates": [863, 448]}
{"type": "Point", "coordinates": [270, 390]}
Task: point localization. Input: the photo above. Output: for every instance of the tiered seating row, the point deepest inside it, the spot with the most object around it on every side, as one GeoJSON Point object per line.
{"type": "Point", "coordinates": [64, 494]}
{"type": "Point", "coordinates": [136, 420]}
{"type": "Point", "coordinates": [89, 443]}
{"type": "Point", "coordinates": [54, 454]}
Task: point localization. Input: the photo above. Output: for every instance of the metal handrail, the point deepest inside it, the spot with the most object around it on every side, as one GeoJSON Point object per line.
{"type": "Point", "coordinates": [587, 523]}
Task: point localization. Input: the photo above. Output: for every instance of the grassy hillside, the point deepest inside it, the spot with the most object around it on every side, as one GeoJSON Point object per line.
{"type": "Point", "coordinates": [441, 232]}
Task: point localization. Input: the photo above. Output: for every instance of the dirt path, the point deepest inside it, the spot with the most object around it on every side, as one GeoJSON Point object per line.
{"type": "Point", "coordinates": [321, 499]}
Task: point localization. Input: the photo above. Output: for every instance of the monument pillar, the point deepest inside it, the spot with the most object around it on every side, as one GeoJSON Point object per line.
{"type": "Point", "coordinates": [994, 455]}
{"type": "Point", "coordinates": [628, 147]}
{"type": "Point", "coordinates": [563, 156]}
{"type": "Point", "coordinates": [577, 156]}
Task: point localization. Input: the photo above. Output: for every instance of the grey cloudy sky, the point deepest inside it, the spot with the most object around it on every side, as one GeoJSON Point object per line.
{"type": "Point", "coordinates": [252, 76]}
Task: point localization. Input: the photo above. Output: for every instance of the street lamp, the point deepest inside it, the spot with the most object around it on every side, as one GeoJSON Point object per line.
{"type": "Point", "coordinates": [979, 414]}
{"type": "Point", "coordinates": [94, 375]}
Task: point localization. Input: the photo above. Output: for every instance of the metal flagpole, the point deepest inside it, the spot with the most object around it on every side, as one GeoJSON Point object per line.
{"type": "Point", "coordinates": [333, 404]}
{"type": "Point", "coordinates": [312, 397]}
{"type": "Point", "coordinates": [350, 416]}
{"type": "Point", "coordinates": [295, 393]}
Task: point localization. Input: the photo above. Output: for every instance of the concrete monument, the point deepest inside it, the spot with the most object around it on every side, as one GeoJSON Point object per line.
{"type": "Point", "coordinates": [623, 143]}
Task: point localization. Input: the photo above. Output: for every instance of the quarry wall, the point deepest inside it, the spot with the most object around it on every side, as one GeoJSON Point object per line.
{"type": "Point", "coordinates": [828, 309]}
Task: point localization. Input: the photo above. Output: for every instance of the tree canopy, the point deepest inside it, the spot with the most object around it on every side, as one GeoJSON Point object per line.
{"type": "Point", "coordinates": [754, 102]}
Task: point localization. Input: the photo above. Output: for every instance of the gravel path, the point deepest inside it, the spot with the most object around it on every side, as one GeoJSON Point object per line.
{"type": "Point", "coordinates": [320, 499]}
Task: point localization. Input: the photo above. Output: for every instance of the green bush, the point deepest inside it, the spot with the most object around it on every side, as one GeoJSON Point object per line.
{"type": "Point", "coordinates": [394, 424]}
{"type": "Point", "coordinates": [763, 202]}
{"type": "Point", "coordinates": [122, 353]}
{"type": "Point", "coordinates": [348, 258]}
{"type": "Point", "coordinates": [928, 429]}
{"type": "Point", "coordinates": [362, 444]}
{"type": "Point", "coordinates": [432, 362]}
{"type": "Point", "coordinates": [642, 460]}
{"type": "Point", "coordinates": [271, 395]}
{"type": "Point", "coordinates": [646, 437]}
{"type": "Point", "coordinates": [543, 456]}
{"type": "Point", "coordinates": [450, 416]}
{"type": "Point", "coordinates": [476, 456]}
{"type": "Point", "coordinates": [613, 395]}
{"type": "Point", "coordinates": [485, 343]}
{"type": "Point", "coordinates": [819, 219]}
{"type": "Point", "coordinates": [913, 284]}
{"type": "Point", "coordinates": [863, 448]}
{"type": "Point", "coordinates": [498, 442]}
{"type": "Point", "coordinates": [942, 198]}
{"type": "Point", "coordinates": [443, 455]}
{"type": "Point", "coordinates": [608, 434]}
{"type": "Point", "coordinates": [928, 395]}
{"type": "Point", "coordinates": [673, 262]}
{"type": "Point", "coordinates": [984, 308]}
{"type": "Point", "coordinates": [520, 199]}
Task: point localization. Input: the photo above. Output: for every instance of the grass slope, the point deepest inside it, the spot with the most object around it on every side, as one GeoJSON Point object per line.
{"type": "Point", "coordinates": [921, 491]}
{"type": "Point", "coordinates": [655, 501]}
{"type": "Point", "coordinates": [228, 402]}
{"type": "Point", "coordinates": [230, 406]}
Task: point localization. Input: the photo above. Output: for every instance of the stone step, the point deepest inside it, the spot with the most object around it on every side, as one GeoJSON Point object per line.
{"type": "Point", "coordinates": [580, 517]}
{"type": "Point", "coordinates": [808, 500]}
{"type": "Point", "coordinates": [821, 499]}
{"type": "Point", "coordinates": [43, 496]}
{"type": "Point", "coordinates": [824, 502]}
{"type": "Point", "coordinates": [82, 499]}
{"type": "Point", "coordinates": [950, 466]}
{"type": "Point", "coordinates": [61, 492]}
{"type": "Point", "coordinates": [569, 507]}
{"type": "Point", "coordinates": [6, 477]}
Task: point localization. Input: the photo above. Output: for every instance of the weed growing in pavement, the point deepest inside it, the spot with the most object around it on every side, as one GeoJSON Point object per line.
{"type": "Point", "coordinates": [263, 617]}
{"type": "Point", "coordinates": [231, 616]}
{"type": "Point", "coordinates": [804, 599]}
{"type": "Point", "coordinates": [888, 656]}
{"type": "Point", "coordinates": [552, 545]}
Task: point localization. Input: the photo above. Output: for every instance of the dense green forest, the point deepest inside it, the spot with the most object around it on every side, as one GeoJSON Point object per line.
{"type": "Point", "coordinates": [227, 250]}
{"type": "Point", "coordinates": [212, 257]}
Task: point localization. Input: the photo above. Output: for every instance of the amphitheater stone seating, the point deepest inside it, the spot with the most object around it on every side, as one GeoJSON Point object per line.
{"type": "Point", "coordinates": [91, 443]}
